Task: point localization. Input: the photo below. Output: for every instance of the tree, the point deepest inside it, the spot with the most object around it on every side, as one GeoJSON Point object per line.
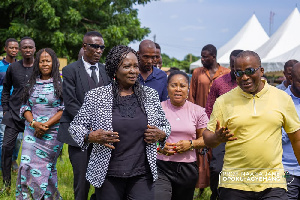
{"type": "Point", "coordinates": [61, 24]}
{"type": "Point", "coordinates": [189, 56]}
{"type": "Point", "coordinates": [173, 62]}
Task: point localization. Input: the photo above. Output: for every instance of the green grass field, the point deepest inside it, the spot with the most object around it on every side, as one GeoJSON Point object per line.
{"type": "Point", "coordinates": [65, 180]}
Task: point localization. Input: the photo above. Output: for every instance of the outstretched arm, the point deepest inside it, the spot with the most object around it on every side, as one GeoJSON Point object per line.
{"type": "Point", "coordinates": [221, 135]}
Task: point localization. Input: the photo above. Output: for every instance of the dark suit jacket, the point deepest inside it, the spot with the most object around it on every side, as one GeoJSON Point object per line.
{"type": "Point", "coordinates": [75, 85]}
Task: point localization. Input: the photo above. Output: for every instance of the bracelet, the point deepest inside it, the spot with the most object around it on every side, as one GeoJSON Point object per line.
{"type": "Point", "coordinates": [31, 123]}
{"type": "Point", "coordinates": [192, 146]}
{"type": "Point", "coordinates": [157, 146]}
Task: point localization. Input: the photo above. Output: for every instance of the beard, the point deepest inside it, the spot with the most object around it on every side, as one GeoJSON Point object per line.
{"type": "Point", "coordinates": [146, 68]}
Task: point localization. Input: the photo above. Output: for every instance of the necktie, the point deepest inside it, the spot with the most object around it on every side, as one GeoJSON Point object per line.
{"type": "Point", "coordinates": [94, 75]}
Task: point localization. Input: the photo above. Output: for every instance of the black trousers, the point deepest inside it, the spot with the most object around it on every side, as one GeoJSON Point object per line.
{"type": "Point", "coordinates": [214, 183]}
{"type": "Point", "coordinates": [176, 180]}
{"type": "Point", "coordinates": [79, 160]}
{"type": "Point", "coordinates": [267, 194]}
{"type": "Point", "coordinates": [8, 145]}
{"type": "Point", "coordinates": [215, 169]}
{"type": "Point", "coordinates": [133, 188]}
{"type": "Point", "coordinates": [293, 186]}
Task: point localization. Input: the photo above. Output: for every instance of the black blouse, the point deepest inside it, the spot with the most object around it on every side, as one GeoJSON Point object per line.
{"type": "Point", "coordinates": [129, 159]}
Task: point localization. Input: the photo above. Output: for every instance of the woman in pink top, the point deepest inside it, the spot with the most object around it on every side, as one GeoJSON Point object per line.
{"type": "Point", "coordinates": [177, 168]}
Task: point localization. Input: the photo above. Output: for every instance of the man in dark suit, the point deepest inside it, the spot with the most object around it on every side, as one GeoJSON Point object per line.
{"type": "Point", "coordinates": [78, 78]}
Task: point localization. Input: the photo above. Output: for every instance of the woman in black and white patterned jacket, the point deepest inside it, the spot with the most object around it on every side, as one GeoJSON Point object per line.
{"type": "Point", "coordinates": [123, 121]}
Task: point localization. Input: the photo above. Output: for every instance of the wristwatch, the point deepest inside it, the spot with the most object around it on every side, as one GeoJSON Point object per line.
{"type": "Point", "coordinates": [192, 146]}
{"type": "Point", "coordinates": [86, 138]}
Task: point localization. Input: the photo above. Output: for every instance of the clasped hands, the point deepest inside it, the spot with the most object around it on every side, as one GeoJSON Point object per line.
{"type": "Point", "coordinates": [40, 129]}
{"type": "Point", "coordinates": [173, 148]}
{"type": "Point", "coordinates": [152, 134]}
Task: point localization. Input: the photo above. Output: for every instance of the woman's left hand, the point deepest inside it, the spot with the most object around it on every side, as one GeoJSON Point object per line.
{"type": "Point", "coordinates": [182, 146]}
{"type": "Point", "coordinates": [40, 129]}
{"type": "Point", "coordinates": [153, 134]}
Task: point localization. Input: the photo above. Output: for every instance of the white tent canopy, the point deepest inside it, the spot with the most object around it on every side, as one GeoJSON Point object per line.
{"type": "Point", "coordinates": [276, 64]}
{"type": "Point", "coordinates": [282, 44]}
{"type": "Point", "coordinates": [250, 37]}
{"type": "Point", "coordinates": [195, 64]}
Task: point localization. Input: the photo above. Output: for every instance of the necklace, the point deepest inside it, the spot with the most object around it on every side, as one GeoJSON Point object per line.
{"type": "Point", "coordinates": [173, 110]}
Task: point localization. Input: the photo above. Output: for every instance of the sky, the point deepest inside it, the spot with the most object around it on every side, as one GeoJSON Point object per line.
{"type": "Point", "coordinates": [181, 27]}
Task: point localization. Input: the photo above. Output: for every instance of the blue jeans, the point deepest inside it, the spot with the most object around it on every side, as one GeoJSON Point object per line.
{"type": "Point", "coordinates": [2, 128]}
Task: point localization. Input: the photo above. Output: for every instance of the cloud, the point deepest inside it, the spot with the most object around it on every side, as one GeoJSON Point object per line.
{"type": "Point", "coordinates": [191, 27]}
{"type": "Point", "coordinates": [189, 39]}
{"type": "Point", "coordinates": [173, 16]}
{"type": "Point", "coordinates": [224, 30]}
{"type": "Point", "coordinates": [199, 20]}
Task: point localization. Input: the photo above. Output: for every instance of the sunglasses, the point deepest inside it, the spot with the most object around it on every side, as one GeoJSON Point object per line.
{"type": "Point", "coordinates": [96, 46]}
{"type": "Point", "coordinates": [248, 72]}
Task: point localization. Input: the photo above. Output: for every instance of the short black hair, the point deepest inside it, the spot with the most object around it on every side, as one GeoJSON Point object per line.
{"type": "Point", "coordinates": [235, 53]}
{"type": "Point", "coordinates": [157, 46]}
{"type": "Point", "coordinates": [26, 38]}
{"type": "Point", "coordinates": [10, 40]}
{"type": "Point", "coordinates": [176, 72]}
{"type": "Point", "coordinates": [211, 49]}
{"type": "Point", "coordinates": [247, 53]}
{"type": "Point", "coordinates": [290, 63]}
{"type": "Point", "coordinates": [173, 69]}
{"type": "Point", "coordinates": [92, 33]}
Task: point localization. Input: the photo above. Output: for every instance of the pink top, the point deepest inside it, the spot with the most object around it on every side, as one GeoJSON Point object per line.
{"type": "Point", "coordinates": [184, 121]}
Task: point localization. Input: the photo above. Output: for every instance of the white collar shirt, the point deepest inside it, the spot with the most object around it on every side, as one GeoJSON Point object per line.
{"type": "Point", "coordinates": [87, 67]}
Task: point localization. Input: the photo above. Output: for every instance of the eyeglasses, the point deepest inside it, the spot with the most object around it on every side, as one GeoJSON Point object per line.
{"type": "Point", "coordinates": [96, 46]}
{"type": "Point", "coordinates": [248, 72]}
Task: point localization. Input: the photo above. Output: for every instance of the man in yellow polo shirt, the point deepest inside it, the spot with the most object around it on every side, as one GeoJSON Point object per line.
{"type": "Point", "coordinates": [249, 119]}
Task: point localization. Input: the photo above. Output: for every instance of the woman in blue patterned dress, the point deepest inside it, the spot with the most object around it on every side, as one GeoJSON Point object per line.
{"type": "Point", "coordinates": [42, 109]}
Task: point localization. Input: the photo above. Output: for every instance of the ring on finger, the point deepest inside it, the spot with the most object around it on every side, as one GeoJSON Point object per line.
{"type": "Point", "coordinates": [167, 154]}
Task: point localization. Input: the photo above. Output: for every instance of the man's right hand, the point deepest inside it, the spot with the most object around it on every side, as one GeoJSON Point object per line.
{"type": "Point", "coordinates": [223, 134]}
{"type": "Point", "coordinates": [104, 137]}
